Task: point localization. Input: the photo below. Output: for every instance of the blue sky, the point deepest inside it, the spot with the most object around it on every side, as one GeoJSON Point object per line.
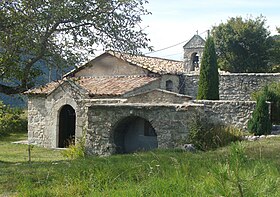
{"type": "Point", "coordinates": [175, 21]}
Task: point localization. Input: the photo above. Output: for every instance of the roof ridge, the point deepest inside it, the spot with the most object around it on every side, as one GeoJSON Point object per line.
{"type": "Point", "coordinates": [157, 65]}
{"type": "Point", "coordinates": [142, 55]}
{"type": "Point", "coordinates": [114, 76]}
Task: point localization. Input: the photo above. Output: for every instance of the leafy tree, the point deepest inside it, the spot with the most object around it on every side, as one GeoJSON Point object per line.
{"type": "Point", "coordinates": [260, 124]}
{"type": "Point", "coordinates": [243, 45]}
{"type": "Point", "coordinates": [11, 120]}
{"type": "Point", "coordinates": [208, 87]}
{"type": "Point", "coordinates": [59, 33]}
{"type": "Point", "coordinates": [275, 53]}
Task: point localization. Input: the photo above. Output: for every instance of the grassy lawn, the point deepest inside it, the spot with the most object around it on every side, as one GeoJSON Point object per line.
{"type": "Point", "coordinates": [244, 169]}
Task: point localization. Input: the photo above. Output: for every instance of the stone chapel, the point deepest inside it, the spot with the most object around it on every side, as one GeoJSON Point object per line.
{"type": "Point", "coordinates": [122, 103]}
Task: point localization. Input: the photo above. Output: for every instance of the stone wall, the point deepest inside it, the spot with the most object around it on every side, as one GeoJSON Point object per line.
{"type": "Point", "coordinates": [173, 78]}
{"type": "Point", "coordinates": [43, 115]}
{"type": "Point", "coordinates": [235, 113]}
{"type": "Point", "coordinates": [233, 86]}
{"type": "Point", "coordinates": [169, 122]}
{"type": "Point", "coordinates": [167, 112]}
{"type": "Point", "coordinates": [37, 115]}
{"type": "Point", "coordinates": [99, 118]}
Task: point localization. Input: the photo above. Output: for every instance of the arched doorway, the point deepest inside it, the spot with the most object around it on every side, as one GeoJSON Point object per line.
{"type": "Point", "coordinates": [134, 134]}
{"type": "Point", "coordinates": [67, 126]}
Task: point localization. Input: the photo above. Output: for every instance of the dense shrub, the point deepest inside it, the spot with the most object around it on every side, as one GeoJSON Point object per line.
{"type": "Point", "coordinates": [207, 133]}
{"type": "Point", "coordinates": [273, 96]}
{"type": "Point", "coordinates": [11, 120]}
{"type": "Point", "coordinates": [75, 150]}
{"type": "Point", "coordinates": [260, 124]}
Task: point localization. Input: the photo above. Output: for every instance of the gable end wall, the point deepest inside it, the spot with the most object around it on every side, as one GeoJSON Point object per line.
{"type": "Point", "coordinates": [43, 115]}
{"type": "Point", "coordinates": [108, 65]}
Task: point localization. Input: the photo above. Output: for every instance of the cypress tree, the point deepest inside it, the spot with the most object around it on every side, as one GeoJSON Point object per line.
{"type": "Point", "coordinates": [208, 86]}
{"type": "Point", "coordinates": [260, 124]}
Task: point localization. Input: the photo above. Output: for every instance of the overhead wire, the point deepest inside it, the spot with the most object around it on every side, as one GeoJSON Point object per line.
{"type": "Point", "coordinates": [173, 54]}
{"type": "Point", "coordinates": [174, 45]}
{"type": "Point", "coordinates": [167, 47]}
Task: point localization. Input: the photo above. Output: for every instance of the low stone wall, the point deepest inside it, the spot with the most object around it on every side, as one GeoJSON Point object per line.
{"type": "Point", "coordinates": [169, 122]}
{"type": "Point", "coordinates": [235, 113]}
{"type": "Point", "coordinates": [233, 86]}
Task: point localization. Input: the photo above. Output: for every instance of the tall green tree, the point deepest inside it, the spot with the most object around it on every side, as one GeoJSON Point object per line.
{"type": "Point", "coordinates": [208, 86]}
{"type": "Point", "coordinates": [260, 123]}
{"type": "Point", "coordinates": [275, 53]}
{"type": "Point", "coordinates": [63, 32]}
{"type": "Point", "coordinates": [272, 92]}
{"type": "Point", "coordinates": [243, 45]}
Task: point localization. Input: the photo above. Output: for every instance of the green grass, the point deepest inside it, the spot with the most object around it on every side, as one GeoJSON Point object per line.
{"type": "Point", "coordinates": [17, 153]}
{"type": "Point", "coordinates": [248, 169]}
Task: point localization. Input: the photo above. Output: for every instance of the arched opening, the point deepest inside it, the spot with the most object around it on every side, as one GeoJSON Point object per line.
{"type": "Point", "coordinates": [195, 61]}
{"type": "Point", "coordinates": [169, 85]}
{"type": "Point", "coordinates": [67, 126]}
{"type": "Point", "coordinates": [134, 134]}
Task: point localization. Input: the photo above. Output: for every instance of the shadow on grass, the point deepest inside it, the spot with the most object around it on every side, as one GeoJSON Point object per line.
{"type": "Point", "coordinates": [11, 137]}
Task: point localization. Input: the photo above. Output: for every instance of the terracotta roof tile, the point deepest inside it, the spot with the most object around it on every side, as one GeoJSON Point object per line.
{"type": "Point", "coordinates": [113, 85]}
{"type": "Point", "coordinates": [153, 64]}
{"type": "Point", "coordinates": [46, 89]}
{"type": "Point", "coordinates": [100, 86]}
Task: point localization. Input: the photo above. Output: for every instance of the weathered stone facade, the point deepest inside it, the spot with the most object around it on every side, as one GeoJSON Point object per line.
{"type": "Point", "coordinates": [43, 115]}
{"type": "Point", "coordinates": [105, 100]}
{"type": "Point", "coordinates": [233, 86]}
{"type": "Point", "coordinates": [167, 112]}
{"type": "Point", "coordinates": [169, 122]}
{"type": "Point", "coordinates": [235, 113]}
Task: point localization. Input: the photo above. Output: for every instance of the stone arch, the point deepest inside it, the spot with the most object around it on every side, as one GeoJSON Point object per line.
{"type": "Point", "coordinates": [194, 61]}
{"type": "Point", "coordinates": [134, 133]}
{"type": "Point", "coordinates": [66, 126]}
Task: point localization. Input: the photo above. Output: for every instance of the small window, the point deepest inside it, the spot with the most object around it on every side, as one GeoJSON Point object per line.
{"type": "Point", "coordinates": [169, 85]}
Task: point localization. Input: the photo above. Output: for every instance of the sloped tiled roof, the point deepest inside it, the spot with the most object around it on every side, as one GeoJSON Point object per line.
{"type": "Point", "coordinates": [153, 64]}
{"type": "Point", "coordinates": [46, 89]}
{"type": "Point", "coordinates": [100, 86]}
{"type": "Point", "coordinates": [114, 85]}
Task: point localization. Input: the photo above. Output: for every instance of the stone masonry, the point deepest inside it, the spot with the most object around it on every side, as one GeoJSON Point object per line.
{"type": "Point", "coordinates": [169, 122]}
{"type": "Point", "coordinates": [233, 86]}
{"type": "Point", "coordinates": [150, 101]}
{"type": "Point", "coordinates": [235, 113]}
